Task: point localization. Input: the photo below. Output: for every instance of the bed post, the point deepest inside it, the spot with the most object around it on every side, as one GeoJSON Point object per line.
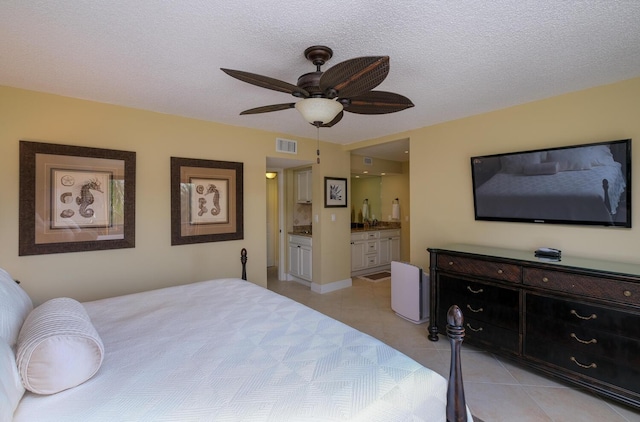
{"type": "Point", "coordinates": [243, 259]}
{"type": "Point", "coordinates": [607, 201]}
{"type": "Point", "coordinates": [456, 405]}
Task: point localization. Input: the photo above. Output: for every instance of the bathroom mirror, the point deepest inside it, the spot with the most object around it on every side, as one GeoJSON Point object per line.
{"type": "Point", "coordinates": [369, 188]}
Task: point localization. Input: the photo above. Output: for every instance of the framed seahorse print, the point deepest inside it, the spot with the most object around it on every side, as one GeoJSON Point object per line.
{"type": "Point", "coordinates": [206, 201]}
{"type": "Point", "coordinates": [75, 198]}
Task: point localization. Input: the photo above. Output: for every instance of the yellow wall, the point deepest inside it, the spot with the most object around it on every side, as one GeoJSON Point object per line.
{"type": "Point", "coordinates": [441, 194]}
{"type": "Point", "coordinates": [331, 236]}
{"type": "Point", "coordinates": [441, 205]}
{"type": "Point", "coordinates": [27, 115]}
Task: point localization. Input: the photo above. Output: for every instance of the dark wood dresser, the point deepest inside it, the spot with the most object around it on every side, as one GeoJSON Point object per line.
{"type": "Point", "coordinates": [577, 319]}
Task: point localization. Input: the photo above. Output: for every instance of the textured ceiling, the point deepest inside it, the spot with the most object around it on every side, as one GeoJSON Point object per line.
{"type": "Point", "coordinates": [452, 59]}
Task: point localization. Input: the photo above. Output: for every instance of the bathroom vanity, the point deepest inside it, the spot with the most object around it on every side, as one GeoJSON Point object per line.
{"type": "Point", "coordinates": [373, 250]}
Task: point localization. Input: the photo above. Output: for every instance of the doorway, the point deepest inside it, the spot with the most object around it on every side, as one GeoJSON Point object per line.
{"type": "Point", "coordinates": [276, 190]}
{"type": "Point", "coordinates": [272, 219]}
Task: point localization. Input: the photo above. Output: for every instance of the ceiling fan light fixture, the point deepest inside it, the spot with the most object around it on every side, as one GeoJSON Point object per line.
{"type": "Point", "coordinates": [318, 109]}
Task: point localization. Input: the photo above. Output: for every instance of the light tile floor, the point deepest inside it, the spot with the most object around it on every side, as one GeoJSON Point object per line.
{"type": "Point", "coordinates": [495, 388]}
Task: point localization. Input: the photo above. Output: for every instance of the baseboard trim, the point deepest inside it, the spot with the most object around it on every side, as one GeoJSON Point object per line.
{"type": "Point", "coordinates": [298, 280]}
{"type": "Point", "coordinates": [331, 287]}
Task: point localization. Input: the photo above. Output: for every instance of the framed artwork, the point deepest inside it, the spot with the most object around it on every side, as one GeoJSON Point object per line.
{"type": "Point", "coordinates": [206, 201]}
{"type": "Point", "coordinates": [335, 192]}
{"type": "Point", "coordinates": [75, 199]}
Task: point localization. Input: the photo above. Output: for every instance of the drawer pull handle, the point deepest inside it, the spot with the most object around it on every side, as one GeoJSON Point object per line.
{"type": "Point", "coordinates": [590, 366]}
{"type": "Point", "coordinates": [545, 279]}
{"type": "Point", "coordinates": [474, 291]}
{"type": "Point", "coordinates": [627, 293]}
{"type": "Point", "coordinates": [593, 340]}
{"type": "Point", "coordinates": [592, 316]}
{"type": "Point", "coordinates": [474, 310]}
{"type": "Point", "coordinates": [473, 329]}
{"type": "Point", "coordinates": [450, 262]}
{"type": "Point", "coordinates": [500, 271]}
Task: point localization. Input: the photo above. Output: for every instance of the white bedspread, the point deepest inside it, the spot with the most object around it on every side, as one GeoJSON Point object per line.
{"type": "Point", "coordinates": [228, 350]}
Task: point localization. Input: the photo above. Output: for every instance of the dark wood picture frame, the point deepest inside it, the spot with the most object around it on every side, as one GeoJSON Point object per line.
{"type": "Point", "coordinates": [75, 199]}
{"type": "Point", "coordinates": [206, 201]}
{"type": "Point", "coordinates": [335, 192]}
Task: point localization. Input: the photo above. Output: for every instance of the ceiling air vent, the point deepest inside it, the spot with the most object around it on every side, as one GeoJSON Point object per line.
{"type": "Point", "coordinates": [368, 161]}
{"type": "Point", "coordinates": [286, 145]}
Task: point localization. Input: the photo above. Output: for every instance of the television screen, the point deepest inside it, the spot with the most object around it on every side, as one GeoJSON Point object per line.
{"type": "Point", "coordinates": [587, 184]}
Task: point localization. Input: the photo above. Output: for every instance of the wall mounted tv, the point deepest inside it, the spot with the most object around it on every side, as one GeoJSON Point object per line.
{"type": "Point", "coordinates": [587, 184]}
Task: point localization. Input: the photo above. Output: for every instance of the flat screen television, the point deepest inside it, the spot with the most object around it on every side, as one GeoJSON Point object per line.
{"type": "Point", "coordinates": [588, 184]}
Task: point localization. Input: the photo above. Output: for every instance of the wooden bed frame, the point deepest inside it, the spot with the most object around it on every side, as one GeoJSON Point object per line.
{"type": "Point", "coordinates": [456, 403]}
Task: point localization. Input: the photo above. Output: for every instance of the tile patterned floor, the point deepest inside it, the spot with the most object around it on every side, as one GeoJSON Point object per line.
{"type": "Point", "coordinates": [496, 389]}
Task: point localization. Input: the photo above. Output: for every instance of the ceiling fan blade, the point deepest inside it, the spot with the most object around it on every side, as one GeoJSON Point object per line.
{"type": "Point", "coordinates": [377, 102]}
{"type": "Point", "coordinates": [269, 108]}
{"type": "Point", "coordinates": [334, 121]}
{"type": "Point", "coordinates": [355, 76]}
{"type": "Point", "coordinates": [267, 82]}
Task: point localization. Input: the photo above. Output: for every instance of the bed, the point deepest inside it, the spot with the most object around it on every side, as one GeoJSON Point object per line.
{"type": "Point", "coordinates": [216, 350]}
{"type": "Point", "coordinates": [583, 184]}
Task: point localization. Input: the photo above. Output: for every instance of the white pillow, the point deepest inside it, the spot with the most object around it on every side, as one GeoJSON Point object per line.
{"type": "Point", "coordinates": [515, 164]}
{"type": "Point", "coordinates": [582, 158]}
{"type": "Point", "coordinates": [600, 155]}
{"type": "Point", "coordinates": [541, 169]}
{"type": "Point", "coordinates": [570, 159]}
{"type": "Point", "coordinates": [58, 347]}
{"type": "Point", "coordinates": [15, 305]}
{"type": "Point", "coordinates": [11, 389]}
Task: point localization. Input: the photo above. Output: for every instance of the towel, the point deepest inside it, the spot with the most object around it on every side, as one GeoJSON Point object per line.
{"type": "Point", "coordinates": [395, 211]}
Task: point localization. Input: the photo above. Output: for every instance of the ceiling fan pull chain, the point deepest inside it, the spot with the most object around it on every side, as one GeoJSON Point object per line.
{"type": "Point", "coordinates": [318, 143]}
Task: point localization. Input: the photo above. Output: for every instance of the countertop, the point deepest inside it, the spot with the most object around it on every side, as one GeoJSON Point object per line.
{"type": "Point", "coordinates": [308, 233]}
{"type": "Point", "coordinates": [373, 229]}
{"type": "Point", "coordinates": [301, 233]}
{"type": "Point", "coordinates": [378, 227]}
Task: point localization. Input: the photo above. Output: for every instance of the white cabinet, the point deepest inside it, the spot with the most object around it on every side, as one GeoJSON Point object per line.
{"type": "Point", "coordinates": [374, 250]}
{"type": "Point", "coordinates": [395, 248]}
{"type": "Point", "coordinates": [384, 255]}
{"type": "Point", "coordinates": [358, 261]}
{"type": "Point", "coordinates": [389, 246]}
{"type": "Point", "coordinates": [304, 186]}
{"type": "Point", "coordinates": [300, 257]}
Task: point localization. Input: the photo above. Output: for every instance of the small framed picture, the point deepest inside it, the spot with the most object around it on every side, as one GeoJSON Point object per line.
{"type": "Point", "coordinates": [335, 192]}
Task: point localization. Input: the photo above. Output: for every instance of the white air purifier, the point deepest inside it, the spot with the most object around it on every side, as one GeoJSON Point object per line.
{"type": "Point", "coordinates": [409, 292]}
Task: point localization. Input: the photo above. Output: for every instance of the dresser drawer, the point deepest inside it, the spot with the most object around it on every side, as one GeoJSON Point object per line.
{"type": "Point", "coordinates": [577, 339]}
{"type": "Point", "coordinates": [584, 285]}
{"type": "Point", "coordinates": [369, 235]}
{"type": "Point", "coordinates": [372, 260]}
{"type": "Point", "coordinates": [488, 335]}
{"type": "Point", "coordinates": [585, 315]}
{"type": "Point", "coordinates": [584, 361]}
{"type": "Point", "coordinates": [479, 267]}
{"type": "Point", "coordinates": [496, 305]}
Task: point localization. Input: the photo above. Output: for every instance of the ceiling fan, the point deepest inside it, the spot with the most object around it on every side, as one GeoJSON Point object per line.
{"type": "Point", "coordinates": [346, 86]}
